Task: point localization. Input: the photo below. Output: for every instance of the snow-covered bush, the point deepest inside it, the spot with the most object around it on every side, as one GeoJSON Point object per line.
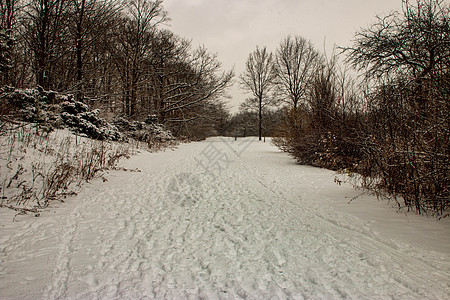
{"type": "Point", "coordinates": [53, 110]}
{"type": "Point", "coordinates": [79, 118]}
{"type": "Point", "coordinates": [31, 105]}
{"type": "Point", "coordinates": [147, 132]}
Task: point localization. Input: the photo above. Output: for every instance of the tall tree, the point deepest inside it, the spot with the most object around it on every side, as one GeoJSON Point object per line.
{"type": "Point", "coordinates": [169, 63]}
{"type": "Point", "coordinates": [416, 42]}
{"type": "Point", "coordinates": [46, 33]}
{"type": "Point", "coordinates": [295, 62]}
{"type": "Point", "coordinates": [5, 55]}
{"type": "Point", "coordinates": [133, 45]}
{"type": "Point", "coordinates": [258, 79]}
{"type": "Point", "coordinates": [8, 16]}
{"type": "Point", "coordinates": [201, 81]}
{"type": "Point", "coordinates": [90, 19]}
{"type": "Point", "coordinates": [8, 12]}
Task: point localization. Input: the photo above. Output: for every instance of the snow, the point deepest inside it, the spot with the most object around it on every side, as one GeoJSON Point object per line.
{"type": "Point", "coordinates": [32, 161]}
{"type": "Point", "coordinates": [222, 219]}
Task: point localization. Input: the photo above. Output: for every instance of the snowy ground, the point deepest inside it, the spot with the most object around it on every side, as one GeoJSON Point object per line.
{"type": "Point", "coordinates": [222, 219]}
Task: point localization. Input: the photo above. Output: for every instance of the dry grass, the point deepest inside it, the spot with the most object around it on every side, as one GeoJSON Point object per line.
{"type": "Point", "coordinates": [38, 167]}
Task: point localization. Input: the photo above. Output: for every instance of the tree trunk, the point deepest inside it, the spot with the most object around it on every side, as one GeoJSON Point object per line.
{"type": "Point", "coordinates": [79, 54]}
{"type": "Point", "coordinates": [260, 117]}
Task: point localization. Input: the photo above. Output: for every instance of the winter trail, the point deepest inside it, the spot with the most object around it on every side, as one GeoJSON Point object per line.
{"type": "Point", "coordinates": [219, 219]}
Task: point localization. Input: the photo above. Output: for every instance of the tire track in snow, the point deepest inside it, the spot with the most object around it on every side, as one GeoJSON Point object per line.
{"type": "Point", "coordinates": [58, 285]}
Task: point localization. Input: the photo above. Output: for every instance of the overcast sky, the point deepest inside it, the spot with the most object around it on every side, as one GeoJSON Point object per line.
{"type": "Point", "coordinates": [233, 28]}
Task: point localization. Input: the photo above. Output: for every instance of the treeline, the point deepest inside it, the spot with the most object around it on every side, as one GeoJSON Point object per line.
{"type": "Point", "coordinates": [245, 123]}
{"type": "Point", "coordinates": [390, 129]}
{"type": "Point", "coordinates": [115, 55]}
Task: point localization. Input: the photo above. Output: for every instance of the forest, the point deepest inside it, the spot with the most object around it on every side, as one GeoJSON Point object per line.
{"type": "Point", "coordinates": [387, 127]}
{"type": "Point", "coordinates": [113, 55]}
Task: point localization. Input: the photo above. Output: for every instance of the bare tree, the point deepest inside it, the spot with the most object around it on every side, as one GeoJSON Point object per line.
{"type": "Point", "coordinates": [8, 12]}
{"type": "Point", "coordinates": [416, 42]}
{"type": "Point", "coordinates": [295, 62]}
{"type": "Point", "coordinates": [406, 58]}
{"type": "Point", "coordinates": [323, 94]}
{"type": "Point", "coordinates": [133, 46]}
{"type": "Point", "coordinates": [89, 21]}
{"type": "Point", "coordinates": [6, 43]}
{"type": "Point", "coordinates": [202, 81]}
{"type": "Point", "coordinates": [46, 36]}
{"type": "Point", "coordinates": [92, 48]}
{"type": "Point", "coordinates": [258, 79]}
{"type": "Point", "coordinates": [15, 50]}
{"type": "Point", "coordinates": [168, 64]}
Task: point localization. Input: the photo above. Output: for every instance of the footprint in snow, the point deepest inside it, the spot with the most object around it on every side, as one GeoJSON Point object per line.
{"type": "Point", "coordinates": [91, 280]}
{"type": "Point", "coordinates": [181, 189]}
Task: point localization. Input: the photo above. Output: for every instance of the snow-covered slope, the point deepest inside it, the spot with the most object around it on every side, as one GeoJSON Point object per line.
{"type": "Point", "coordinates": [221, 219]}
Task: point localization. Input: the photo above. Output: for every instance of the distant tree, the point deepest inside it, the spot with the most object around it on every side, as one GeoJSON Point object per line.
{"type": "Point", "coordinates": [295, 62]}
{"type": "Point", "coordinates": [222, 119]}
{"type": "Point", "coordinates": [243, 124]}
{"type": "Point", "coordinates": [323, 94]}
{"type": "Point", "coordinates": [258, 79]}
{"type": "Point", "coordinates": [211, 118]}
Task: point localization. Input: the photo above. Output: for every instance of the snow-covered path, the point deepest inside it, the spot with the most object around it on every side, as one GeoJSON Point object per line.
{"type": "Point", "coordinates": [214, 219]}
